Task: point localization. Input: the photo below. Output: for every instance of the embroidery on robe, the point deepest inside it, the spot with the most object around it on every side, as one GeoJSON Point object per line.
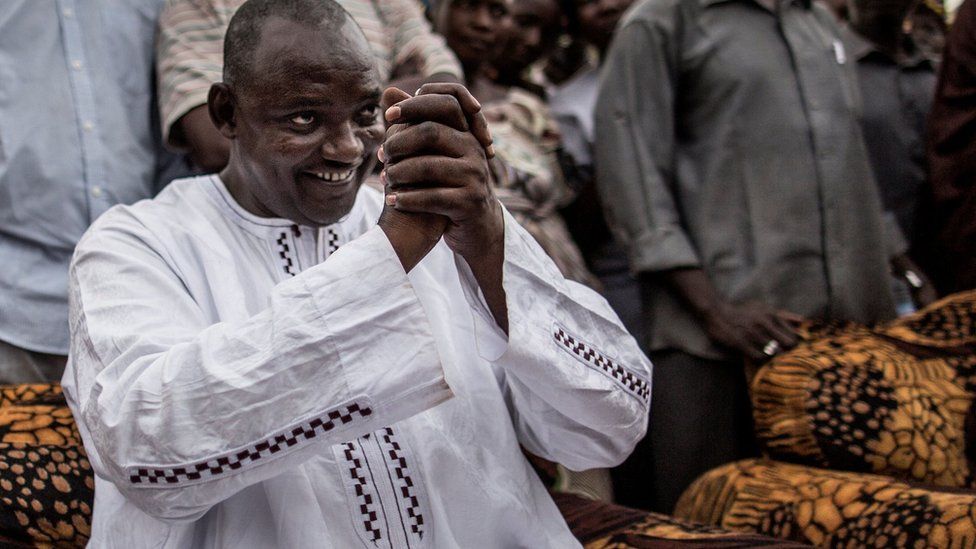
{"type": "Point", "coordinates": [366, 499]}
{"type": "Point", "coordinates": [387, 500]}
{"type": "Point", "coordinates": [284, 252]}
{"type": "Point", "coordinates": [585, 353]}
{"type": "Point", "coordinates": [148, 476]}
{"type": "Point", "coordinates": [332, 244]}
{"type": "Point", "coordinates": [410, 510]}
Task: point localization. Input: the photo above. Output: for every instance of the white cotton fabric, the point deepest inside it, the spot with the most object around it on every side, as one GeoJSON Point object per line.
{"type": "Point", "coordinates": [200, 331]}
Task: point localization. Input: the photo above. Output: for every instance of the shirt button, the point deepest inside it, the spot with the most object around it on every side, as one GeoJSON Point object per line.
{"type": "Point", "coordinates": [88, 126]}
{"type": "Point", "coordinates": [76, 65]}
{"type": "Point", "coordinates": [96, 191]}
{"type": "Point", "coordinates": [68, 12]}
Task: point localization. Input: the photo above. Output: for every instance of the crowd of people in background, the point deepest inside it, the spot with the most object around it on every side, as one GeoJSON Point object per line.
{"type": "Point", "coordinates": [720, 171]}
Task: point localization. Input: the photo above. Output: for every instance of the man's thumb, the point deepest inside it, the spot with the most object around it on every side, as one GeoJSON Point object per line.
{"type": "Point", "coordinates": [392, 96]}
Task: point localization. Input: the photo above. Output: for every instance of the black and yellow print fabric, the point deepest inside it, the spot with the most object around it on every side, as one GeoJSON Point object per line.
{"type": "Point", "coordinates": [46, 481]}
{"type": "Point", "coordinates": [891, 400]}
{"type": "Point", "coordinates": [600, 525]}
{"type": "Point", "coordinates": [829, 508]}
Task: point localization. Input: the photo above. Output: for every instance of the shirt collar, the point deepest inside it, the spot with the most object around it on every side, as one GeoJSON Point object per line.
{"type": "Point", "coordinates": [263, 226]}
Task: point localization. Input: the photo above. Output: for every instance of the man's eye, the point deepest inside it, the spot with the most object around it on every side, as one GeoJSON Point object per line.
{"type": "Point", "coordinates": [303, 119]}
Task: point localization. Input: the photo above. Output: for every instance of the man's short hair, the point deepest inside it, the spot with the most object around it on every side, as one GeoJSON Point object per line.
{"type": "Point", "coordinates": [244, 30]}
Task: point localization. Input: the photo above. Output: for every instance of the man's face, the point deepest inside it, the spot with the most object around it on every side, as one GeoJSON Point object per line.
{"type": "Point", "coordinates": [473, 28]}
{"type": "Point", "coordinates": [307, 123]}
{"type": "Point", "coordinates": [534, 29]}
{"type": "Point", "coordinates": [598, 18]}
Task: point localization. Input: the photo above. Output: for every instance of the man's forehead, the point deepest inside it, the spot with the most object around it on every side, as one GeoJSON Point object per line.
{"type": "Point", "coordinates": [291, 56]}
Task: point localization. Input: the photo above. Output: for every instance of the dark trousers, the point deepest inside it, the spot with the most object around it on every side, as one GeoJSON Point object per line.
{"type": "Point", "coordinates": [700, 418]}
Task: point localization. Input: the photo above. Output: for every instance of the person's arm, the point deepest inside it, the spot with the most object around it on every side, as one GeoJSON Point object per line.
{"type": "Point", "coordinates": [748, 329]}
{"type": "Point", "coordinates": [634, 156]}
{"type": "Point", "coordinates": [452, 190]}
{"type": "Point", "coordinates": [416, 46]}
{"type": "Point", "coordinates": [180, 413]}
{"type": "Point", "coordinates": [189, 59]}
{"type": "Point", "coordinates": [207, 148]}
{"type": "Point", "coordinates": [577, 383]}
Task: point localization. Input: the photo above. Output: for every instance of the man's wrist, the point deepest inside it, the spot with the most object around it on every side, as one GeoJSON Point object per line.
{"type": "Point", "coordinates": [411, 238]}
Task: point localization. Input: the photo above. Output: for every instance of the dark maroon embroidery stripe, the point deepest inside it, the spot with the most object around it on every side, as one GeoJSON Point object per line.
{"type": "Point", "coordinates": [284, 252]}
{"type": "Point", "coordinates": [634, 384]}
{"type": "Point", "coordinates": [357, 471]}
{"type": "Point", "coordinates": [332, 244]}
{"type": "Point", "coordinates": [406, 486]}
{"type": "Point", "coordinates": [233, 461]}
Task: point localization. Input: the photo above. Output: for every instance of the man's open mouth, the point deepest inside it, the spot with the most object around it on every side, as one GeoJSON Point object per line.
{"type": "Point", "coordinates": [333, 177]}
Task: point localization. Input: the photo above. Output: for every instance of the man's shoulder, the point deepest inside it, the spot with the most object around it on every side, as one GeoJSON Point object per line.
{"type": "Point", "coordinates": [180, 207]}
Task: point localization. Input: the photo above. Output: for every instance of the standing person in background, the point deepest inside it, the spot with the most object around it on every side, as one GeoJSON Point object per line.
{"type": "Point", "coordinates": [536, 25]}
{"type": "Point", "coordinates": [948, 221]}
{"type": "Point", "coordinates": [78, 135]}
{"type": "Point", "coordinates": [899, 81]}
{"type": "Point", "coordinates": [730, 157]}
{"type": "Point", "coordinates": [572, 103]}
{"type": "Point", "coordinates": [190, 49]}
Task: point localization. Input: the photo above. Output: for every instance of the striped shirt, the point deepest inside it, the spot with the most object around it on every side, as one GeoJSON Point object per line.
{"type": "Point", "coordinates": [190, 48]}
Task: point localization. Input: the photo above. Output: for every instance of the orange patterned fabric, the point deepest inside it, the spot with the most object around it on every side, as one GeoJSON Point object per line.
{"type": "Point", "coordinates": [890, 400]}
{"type": "Point", "coordinates": [829, 508]}
{"type": "Point", "coordinates": [600, 525]}
{"type": "Point", "coordinates": [46, 481]}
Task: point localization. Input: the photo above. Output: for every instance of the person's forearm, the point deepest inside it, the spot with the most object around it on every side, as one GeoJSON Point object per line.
{"type": "Point", "coordinates": [412, 235]}
{"type": "Point", "coordinates": [693, 287]}
{"type": "Point", "coordinates": [488, 270]}
{"type": "Point", "coordinates": [208, 149]}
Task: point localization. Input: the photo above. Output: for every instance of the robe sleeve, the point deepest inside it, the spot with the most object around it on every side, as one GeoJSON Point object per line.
{"type": "Point", "coordinates": [577, 384]}
{"type": "Point", "coordinates": [180, 413]}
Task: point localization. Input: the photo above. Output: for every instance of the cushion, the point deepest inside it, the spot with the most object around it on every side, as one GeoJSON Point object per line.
{"type": "Point", "coordinates": [46, 482]}
{"type": "Point", "coordinates": [829, 508]}
{"type": "Point", "coordinates": [891, 400]}
{"type": "Point", "coordinates": [600, 525]}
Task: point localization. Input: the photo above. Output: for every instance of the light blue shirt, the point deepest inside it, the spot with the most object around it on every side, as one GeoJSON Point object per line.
{"type": "Point", "coordinates": [78, 134]}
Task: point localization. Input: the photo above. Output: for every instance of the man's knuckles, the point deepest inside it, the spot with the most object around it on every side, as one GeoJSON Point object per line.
{"type": "Point", "coordinates": [425, 137]}
{"type": "Point", "coordinates": [440, 108]}
{"type": "Point", "coordinates": [464, 98]}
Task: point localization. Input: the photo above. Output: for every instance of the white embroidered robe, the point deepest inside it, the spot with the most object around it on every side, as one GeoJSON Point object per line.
{"type": "Point", "coordinates": [240, 383]}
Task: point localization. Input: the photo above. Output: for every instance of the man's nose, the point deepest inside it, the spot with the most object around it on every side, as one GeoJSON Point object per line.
{"type": "Point", "coordinates": [342, 145]}
{"type": "Point", "coordinates": [482, 19]}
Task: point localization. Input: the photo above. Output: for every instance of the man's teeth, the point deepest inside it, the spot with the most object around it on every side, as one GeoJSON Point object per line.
{"type": "Point", "coordinates": [334, 177]}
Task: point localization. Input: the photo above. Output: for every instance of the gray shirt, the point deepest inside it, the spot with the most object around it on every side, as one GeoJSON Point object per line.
{"type": "Point", "coordinates": [77, 136]}
{"type": "Point", "coordinates": [727, 139]}
{"type": "Point", "coordinates": [894, 120]}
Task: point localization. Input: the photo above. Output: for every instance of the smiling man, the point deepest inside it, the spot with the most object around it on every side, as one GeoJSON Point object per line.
{"type": "Point", "coordinates": [278, 357]}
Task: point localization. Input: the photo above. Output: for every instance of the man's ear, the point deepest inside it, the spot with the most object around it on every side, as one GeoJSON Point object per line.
{"type": "Point", "coordinates": [222, 105]}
